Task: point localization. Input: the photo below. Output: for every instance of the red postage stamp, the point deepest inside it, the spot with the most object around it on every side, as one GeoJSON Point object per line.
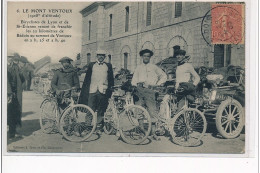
{"type": "Point", "coordinates": [227, 24]}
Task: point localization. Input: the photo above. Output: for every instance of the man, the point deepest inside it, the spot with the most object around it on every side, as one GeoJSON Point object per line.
{"type": "Point", "coordinates": [95, 89]}
{"type": "Point", "coordinates": [22, 64]}
{"type": "Point", "coordinates": [15, 81]}
{"type": "Point", "coordinates": [148, 75]}
{"type": "Point", "coordinates": [65, 78]}
{"type": "Point", "coordinates": [186, 77]}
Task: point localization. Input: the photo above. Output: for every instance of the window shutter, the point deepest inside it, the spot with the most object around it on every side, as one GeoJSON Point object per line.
{"type": "Point", "coordinates": [110, 25]}
{"type": "Point", "coordinates": [126, 18]}
{"type": "Point", "coordinates": [178, 9]}
{"type": "Point", "coordinates": [149, 13]}
{"type": "Point", "coordinates": [89, 29]}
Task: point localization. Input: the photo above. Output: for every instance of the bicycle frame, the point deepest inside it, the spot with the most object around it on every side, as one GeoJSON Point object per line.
{"type": "Point", "coordinates": [128, 99]}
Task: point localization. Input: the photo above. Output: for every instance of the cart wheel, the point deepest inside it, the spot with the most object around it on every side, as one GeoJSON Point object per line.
{"type": "Point", "coordinates": [78, 123]}
{"type": "Point", "coordinates": [108, 121]}
{"type": "Point", "coordinates": [48, 117]}
{"type": "Point", "coordinates": [230, 118]}
{"type": "Point", "coordinates": [188, 127]}
{"type": "Point", "coordinates": [135, 124]}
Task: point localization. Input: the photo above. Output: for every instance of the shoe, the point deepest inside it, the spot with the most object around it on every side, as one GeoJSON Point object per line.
{"type": "Point", "coordinates": [117, 133]}
{"type": "Point", "coordinates": [84, 133]}
{"type": "Point", "coordinates": [155, 137]}
{"type": "Point", "coordinates": [76, 134]}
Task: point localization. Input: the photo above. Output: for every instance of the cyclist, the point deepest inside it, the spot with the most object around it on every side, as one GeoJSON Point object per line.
{"type": "Point", "coordinates": [64, 78]}
{"type": "Point", "coordinates": [147, 75]}
{"type": "Point", "coordinates": [186, 78]}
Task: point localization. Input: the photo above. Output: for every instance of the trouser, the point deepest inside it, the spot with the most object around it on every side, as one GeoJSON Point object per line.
{"type": "Point", "coordinates": [13, 116]}
{"type": "Point", "coordinates": [12, 130]}
{"type": "Point", "coordinates": [146, 99]}
{"type": "Point", "coordinates": [189, 93]}
{"type": "Point", "coordinates": [98, 103]}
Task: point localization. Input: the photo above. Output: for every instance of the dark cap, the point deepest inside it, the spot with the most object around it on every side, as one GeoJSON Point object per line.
{"type": "Point", "coordinates": [65, 59]}
{"type": "Point", "coordinates": [23, 59]}
{"type": "Point", "coordinates": [145, 51]}
{"type": "Point", "coordinates": [16, 57]}
{"type": "Point", "coordinates": [180, 52]}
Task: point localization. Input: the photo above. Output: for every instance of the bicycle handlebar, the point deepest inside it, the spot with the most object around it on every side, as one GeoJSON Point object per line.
{"type": "Point", "coordinates": [73, 88]}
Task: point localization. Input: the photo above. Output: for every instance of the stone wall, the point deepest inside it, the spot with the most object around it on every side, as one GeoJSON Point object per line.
{"type": "Point", "coordinates": [164, 32]}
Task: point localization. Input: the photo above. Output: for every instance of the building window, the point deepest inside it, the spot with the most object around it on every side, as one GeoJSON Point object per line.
{"type": "Point", "coordinates": [109, 59]}
{"type": "Point", "coordinates": [178, 9]}
{"type": "Point", "coordinates": [125, 60]}
{"type": "Point", "coordinates": [88, 58]}
{"type": "Point", "coordinates": [110, 24]}
{"type": "Point", "coordinates": [149, 14]}
{"type": "Point", "coordinates": [89, 29]}
{"type": "Point", "coordinates": [126, 19]}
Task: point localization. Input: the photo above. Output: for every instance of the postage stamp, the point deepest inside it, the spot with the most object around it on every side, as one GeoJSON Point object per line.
{"type": "Point", "coordinates": [227, 24]}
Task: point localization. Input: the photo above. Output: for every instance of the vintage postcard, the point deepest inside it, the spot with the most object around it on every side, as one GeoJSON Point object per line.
{"type": "Point", "coordinates": [125, 77]}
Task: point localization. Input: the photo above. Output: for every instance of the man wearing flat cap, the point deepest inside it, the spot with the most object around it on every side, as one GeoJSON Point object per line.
{"type": "Point", "coordinates": [15, 80]}
{"type": "Point", "coordinates": [186, 76]}
{"type": "Point", "coordinates": [147, 75]}
{"type": "Point", "coordinates": [95, 89]}
{"type": "Point", "coordinates": [65, 78]}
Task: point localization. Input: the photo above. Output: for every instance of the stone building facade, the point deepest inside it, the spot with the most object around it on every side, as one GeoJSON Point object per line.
{"type": "Point", "coordinates": [124, 28]}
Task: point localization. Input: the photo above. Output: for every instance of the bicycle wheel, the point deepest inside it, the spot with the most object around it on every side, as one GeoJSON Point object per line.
{"type": "Point", "coordinates": [188, 127]}
{"type": "Point", "coordinates": [48, 116]}
{"type": "Point", "coordinates": [135, 124]}
{"type": "Point", "coordinates": [77, 123]}
{"type": "Point", "coordinates": [109, 121]}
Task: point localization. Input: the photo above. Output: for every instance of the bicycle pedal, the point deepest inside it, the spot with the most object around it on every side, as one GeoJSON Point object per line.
{"type": "Point", "coordinates": [117, 134]}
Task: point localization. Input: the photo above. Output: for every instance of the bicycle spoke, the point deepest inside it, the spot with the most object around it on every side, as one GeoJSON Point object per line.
{"type": "Point", "coordinates": [224, 122]}
{"type": "Point", "coordinates": [225, 112]}
{"type": "Point", "coordinates": [237, 114]}
{"type": "Point", "coordinates": [234, 110]}
{"type": "Point", "coordinates": [226, 126]}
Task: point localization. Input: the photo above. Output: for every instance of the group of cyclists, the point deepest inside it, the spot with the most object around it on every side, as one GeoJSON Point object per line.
{"type": "Point", "coordinates": [99, 79]}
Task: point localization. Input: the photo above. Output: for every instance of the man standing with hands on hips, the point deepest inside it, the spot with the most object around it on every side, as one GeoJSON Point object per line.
{"type": "Point", "coordinates": [148, 75]}
{"type": "Point", "coordinates": [95, 89]}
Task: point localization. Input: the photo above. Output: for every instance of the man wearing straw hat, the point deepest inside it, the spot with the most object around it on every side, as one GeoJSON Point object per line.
{"type": "Point", "coordinates": [95, 89]}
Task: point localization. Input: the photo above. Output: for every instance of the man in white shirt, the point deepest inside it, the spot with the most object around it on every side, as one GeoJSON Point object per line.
{"type": "Point", "coordinates": [95, 93]}
{"type": "Point", "coordinates": [147, 75]}
{"type": "Point", "coordinates": [186, 77]}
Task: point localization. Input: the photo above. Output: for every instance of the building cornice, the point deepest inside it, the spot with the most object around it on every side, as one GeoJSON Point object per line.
{"type": "Point", "coordinates": [93, 7]}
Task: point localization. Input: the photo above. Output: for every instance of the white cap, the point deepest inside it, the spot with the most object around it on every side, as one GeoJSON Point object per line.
{"type": "Point", "coordinates": [101, 52]}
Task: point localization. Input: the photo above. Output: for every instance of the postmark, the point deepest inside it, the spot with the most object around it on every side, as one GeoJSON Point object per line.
{"type": "Point", "coordinates": [224, 24]}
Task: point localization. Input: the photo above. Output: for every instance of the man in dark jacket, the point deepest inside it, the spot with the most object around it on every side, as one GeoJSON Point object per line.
{"type": "Point", "coordinates": [65, 78]}
{"type": "Point", "coordinates": [15, 81]}
{"type": "Point", "coordinates": [95, 89]}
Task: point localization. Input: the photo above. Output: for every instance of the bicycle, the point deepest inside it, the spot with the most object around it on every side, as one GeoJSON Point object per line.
{"type": "Point", "coordinates": [186, 126]}
{"type": "Point", "coordinates": [132, 122]}
{"type": "Point", "coordinates": [77, 122]}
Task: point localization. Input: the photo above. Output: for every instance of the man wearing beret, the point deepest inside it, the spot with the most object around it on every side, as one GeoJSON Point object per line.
{"type": "Point", "coordinates": [186, 76]}
{"type": "Point", "coordinates": [15, 81]}
{"type": "Point", "coordinates": [147, 75]}
{"type": "Point", "coordinates": [95, 89]}
{"type": "Point", "coordinates": [65, 78]}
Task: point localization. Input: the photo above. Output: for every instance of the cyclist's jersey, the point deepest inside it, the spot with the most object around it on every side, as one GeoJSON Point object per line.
{"type": "Point", "coordinates": [65, 79]}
